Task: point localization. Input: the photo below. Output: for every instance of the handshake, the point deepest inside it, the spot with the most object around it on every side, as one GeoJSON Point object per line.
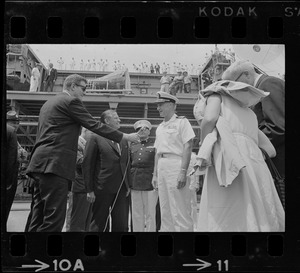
{"type": "Point", "coordinates": [134, 137]}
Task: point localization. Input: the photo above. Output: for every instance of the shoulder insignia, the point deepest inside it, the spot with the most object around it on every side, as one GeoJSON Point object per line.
{"type": "Point", "coordinates": [181, 117]}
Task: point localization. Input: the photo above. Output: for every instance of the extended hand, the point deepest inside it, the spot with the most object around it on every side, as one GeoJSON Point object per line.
{"type": "Point", "coordinates": [181, 180]}
{"type": "Point", "coordinates": [90, 196]}
{"type": "Point", "coordinates": [134, 137]}
{"type": "Point", "coordinates": [154, 182]}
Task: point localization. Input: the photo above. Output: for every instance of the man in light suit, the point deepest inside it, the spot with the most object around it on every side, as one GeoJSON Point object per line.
{"type": "Point", "coordinates": [270, 111]}
{"type": "Point", "coordinates": [35, 78]}
{"type": "Point", "coordinates": [53, 158]}
{"type": "Point", "coordinates": [50, 78]}
{"type": "Point", "coordinates": [105, 171]}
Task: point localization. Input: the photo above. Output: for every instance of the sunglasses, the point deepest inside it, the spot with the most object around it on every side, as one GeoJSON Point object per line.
{"type": "Point", "coordinates": [83, 88]}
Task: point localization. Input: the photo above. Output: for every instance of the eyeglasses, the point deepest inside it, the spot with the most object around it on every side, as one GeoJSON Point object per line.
{"type": "Point", "coordinates": [239, 76]}
{"type": "Point", "coordinates": [83, 88]}
{"type": "Point", "coordinates": [139, 128]}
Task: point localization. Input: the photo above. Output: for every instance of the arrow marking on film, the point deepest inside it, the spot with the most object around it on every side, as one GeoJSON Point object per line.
{"type": "Point", "coordinates": [40, 266]}
{"type": "Point", "coordinates": [202, 265]}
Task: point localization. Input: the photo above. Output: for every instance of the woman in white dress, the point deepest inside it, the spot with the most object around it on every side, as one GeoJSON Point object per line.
{"type": "Point", "coordinates": [238, 192]}
{"type": "Point", "coordinates": [35, 78]}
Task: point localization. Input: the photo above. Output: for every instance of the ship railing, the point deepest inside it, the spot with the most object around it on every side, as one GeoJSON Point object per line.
{"type": "Point", "coordinates": [26, 120]}
{"type": "Point", "coordinates": [110, 91]}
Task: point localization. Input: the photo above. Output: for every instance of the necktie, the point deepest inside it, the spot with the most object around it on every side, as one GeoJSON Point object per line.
{"type": "Point", "coordinates": [116, 145]}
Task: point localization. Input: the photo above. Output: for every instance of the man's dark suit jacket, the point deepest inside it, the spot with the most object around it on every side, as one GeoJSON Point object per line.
{"type": "Point", "coordinates": [78, 185]}
{"type": "Point", "coordinates": [271, 116]}
{"type": "Point", "coordinates": [103, 167]}
{"type": "Point", "coordinates": [11, 167]}
{"type": "Point", "coordinates": [52, 76]}
{"type": "Point", "coordinates": [55, 150]}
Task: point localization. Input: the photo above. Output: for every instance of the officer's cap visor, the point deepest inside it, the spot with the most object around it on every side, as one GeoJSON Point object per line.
{"type": "Point", "coordinates": [164, 100]}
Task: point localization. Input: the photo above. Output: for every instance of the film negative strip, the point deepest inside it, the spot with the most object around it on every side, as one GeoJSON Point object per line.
{"type": "Point", "coordinates": [185, 25]}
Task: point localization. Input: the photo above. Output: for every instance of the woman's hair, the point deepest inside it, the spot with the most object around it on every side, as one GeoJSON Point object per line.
{"type": "Point", "coordinates": [234, 70]}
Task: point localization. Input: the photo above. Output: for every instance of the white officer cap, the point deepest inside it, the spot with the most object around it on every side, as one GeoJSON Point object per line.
{"type": "Point", "coordinates": [142, 123]}
{"type": "Point", "coordinates": [12, 116]}
{"type": "Point", "coordinates": [165, 97]}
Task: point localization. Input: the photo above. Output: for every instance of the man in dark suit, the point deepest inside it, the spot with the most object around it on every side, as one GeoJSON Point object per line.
{"type": "Point", "coordinates": [50, 78]}
{"type": "Point", "coordinates": [80, 215]}
{"type": "Point", "coordinates": [10, 152]}
{"type": "Point", "coordinates": [105, 171]}
{"type": "Point", "coordinates": [53, 158]}
{"type": "Point", "coordinates": [270, 111]}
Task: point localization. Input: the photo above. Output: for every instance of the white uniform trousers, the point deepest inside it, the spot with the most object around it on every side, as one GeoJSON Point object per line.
{"type": "Point", "coordinates": [34, 83]}
{"type": "Point", "coordinates": [152, 202]}
{"type": "Point", "coordinates": [143, 210]}
{"type": "Point", "coordinates": [175, 204]}
{"type": "Point", "coordinates": [194, 206]}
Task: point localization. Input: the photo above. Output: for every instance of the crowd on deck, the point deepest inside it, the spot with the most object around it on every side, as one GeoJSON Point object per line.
{"type": "Point", "coordinates": [142, 67]}
{"type": "Point", "coordinates": [156, 67]}
{"type": "Point", "coordinates": [88, 174]}
{"type": "Point", "coordinates": [104, 65]}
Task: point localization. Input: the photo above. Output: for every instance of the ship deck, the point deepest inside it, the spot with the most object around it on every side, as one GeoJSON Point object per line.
{"type": "Point", "coordinates": [129, 105]}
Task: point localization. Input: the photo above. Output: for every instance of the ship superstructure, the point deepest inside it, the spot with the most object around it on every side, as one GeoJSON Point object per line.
{"type": "Point", "coordinates": [132, 94]}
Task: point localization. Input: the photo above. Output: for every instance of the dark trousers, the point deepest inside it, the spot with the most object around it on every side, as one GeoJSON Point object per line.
{"type": "Point", "coordinates": [187, 88]}
{"type": "Point", "coordinates": [49, 84]}
{"type": "Point", "coordinates": [11, 183]}
{"type": "Point", "coordinates": [172, 89]}
{"type": "Point", "coordinates": [10, 196]}
{"type": "Point", "coordinates": [157, 216]}
{"type": "Point", "coordinates": [49, 203]}
{"type": "Point", "coordinates": [81, 212]}
{"type": "Point", "coordinates": [279, 160]}
{"type": "Point", "coordinates": [178, 87]}
{"type": "Point", "coordinates": [101, 206]}
{"type": "Point", "coordinates": [29, 215]}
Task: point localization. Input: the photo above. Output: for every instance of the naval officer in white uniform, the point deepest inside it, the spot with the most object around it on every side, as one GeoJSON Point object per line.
{"type": "Point", "coordinates": [174, 138]}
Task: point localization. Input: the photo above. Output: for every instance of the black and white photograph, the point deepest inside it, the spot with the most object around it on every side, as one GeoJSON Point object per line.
{"type": "Point", "coordinates": [145, 138]}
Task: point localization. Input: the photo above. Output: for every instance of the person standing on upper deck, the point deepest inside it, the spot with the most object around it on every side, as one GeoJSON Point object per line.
{"type": "Point", "coordinates": [165, 81]}
{"type": "Point", "coordinates": [50, 78]}
{"type": "Point", "coordinates": [35, 78]}
{"type": "Point", "coordinates": [187, 80]}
